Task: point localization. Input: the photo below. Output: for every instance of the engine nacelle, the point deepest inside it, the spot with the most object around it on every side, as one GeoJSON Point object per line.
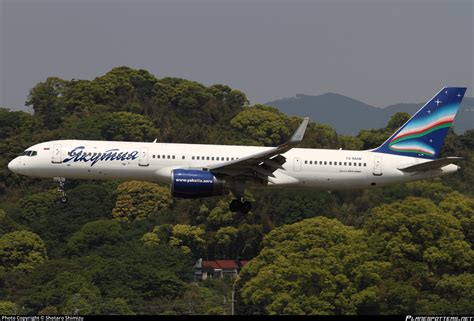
{"type": "Point", "coordinates": [192, 183]}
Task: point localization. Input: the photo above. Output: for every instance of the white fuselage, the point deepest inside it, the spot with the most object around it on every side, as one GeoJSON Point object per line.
{"type": "Point", "coordinates": [316, 168]}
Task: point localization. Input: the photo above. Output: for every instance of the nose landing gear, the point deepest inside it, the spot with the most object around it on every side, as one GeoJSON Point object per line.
{"type": "Point", "coordinates": [61, 182]}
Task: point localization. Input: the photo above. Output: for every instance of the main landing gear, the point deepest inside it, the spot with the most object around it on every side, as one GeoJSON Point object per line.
{"type": "Point", "coordinates": [239, 205]}
{"type": "Point", "coordinates": [61, 181]}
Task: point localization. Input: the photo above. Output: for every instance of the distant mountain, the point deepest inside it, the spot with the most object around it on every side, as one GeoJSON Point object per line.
{"type": "Point", "coordinates": [347, 116]}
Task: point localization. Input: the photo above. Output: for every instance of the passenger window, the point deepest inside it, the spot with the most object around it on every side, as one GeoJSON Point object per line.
{"type": "Point", "coordinates": [232, 158]}
{"type": "Point", "coordinates": [311, 162]}
{"type": "Point", "coordinates": [330, 163]}
{"type": "Point", "coordinates": [172, 157]}
{"type": "Point", "coordinates": [212, 158]}
{"type": "Point", "coordinates": [340, 163]}
{"type": "Point", "coordinates": [192, 157]}
{"type": "Point", "coordinates": [360, 164]}
{"type": "Point", "coordinates": [345, 163]}
{"type": "Point", "coordinates": [207, 158]}
{"type": "Point", "coordinates": [365, 164]}
{"type": "Point", "coordinates": [350, 164]}
{"type": "Point", "coordinates": [306, 162]}
{"type": "Point", "coordinates": [183, 157]}
{"type": "Point", "coordinates": [325, 162]}
{"type": "Point", "coordinates": [168, 157]}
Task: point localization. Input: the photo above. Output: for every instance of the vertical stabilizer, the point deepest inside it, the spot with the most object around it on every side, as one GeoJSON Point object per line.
{"type": "Point", "coordinates": [424, 133]}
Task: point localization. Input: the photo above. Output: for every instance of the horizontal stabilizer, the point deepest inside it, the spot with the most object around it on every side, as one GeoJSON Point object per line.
{"type": "Point", "coordinates": [431, 165]}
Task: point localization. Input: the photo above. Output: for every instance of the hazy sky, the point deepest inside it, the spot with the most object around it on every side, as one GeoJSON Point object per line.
{"type": "Point", "coordinates": [380, 52]}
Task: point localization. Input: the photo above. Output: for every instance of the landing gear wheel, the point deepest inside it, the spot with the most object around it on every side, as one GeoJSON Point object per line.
{"type": "Point", "coordinates": [240, 206]}
{"type": "Point", "coordinates": [61, 180]}
{"type": "Point", "coordinates": [245, 207]}
{"type": "Point", "coordinates": [234, 206]}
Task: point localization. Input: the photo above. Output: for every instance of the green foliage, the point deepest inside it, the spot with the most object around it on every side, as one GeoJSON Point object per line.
{"type": "Point", "coordinates": [117, 126]}
{"type": "Point", "coordinates": [138, 200]}
{"type": "Point", "coordinates": [6, 223]}
{"type": "Point", "coordinates": [415, 231]}
{"type": "Point", "coordinates": [462, 208]}
{"type": "Point", "coordinates": [220, 215]}
{"type": "Point", "coordinates": [401, 249]}
{"type": "Point", "coordinates": [46, 98]}
{"type": "Point", "coordinates": [262, 125]}
{"type": "Point", "coordinates": [35, 207]}
{"type": "Point", "coordinates": [21, 250]}
{"type": "Point", "coordinates": [310, 267]}
{"type": "Point", "coordinates": [8, 308]}
{"type": "Point", "coordinates": [188, 238]}
{"type": "Point", "coordinates": [93, 235]}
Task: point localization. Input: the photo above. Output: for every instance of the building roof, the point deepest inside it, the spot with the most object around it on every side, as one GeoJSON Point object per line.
{"type": "Point", "coordinates": [227, 264]}
{"type": "Point", "coordinates": [210, 264]}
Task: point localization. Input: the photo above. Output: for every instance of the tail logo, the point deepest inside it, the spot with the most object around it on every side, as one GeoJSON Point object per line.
{"type": "Point", "coordinates": [424, 133]}
{"type": "Point", "coordinates": [407, 139]}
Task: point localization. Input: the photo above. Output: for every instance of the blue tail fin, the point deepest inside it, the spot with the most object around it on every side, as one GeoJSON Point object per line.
{"type": "Point", "coordinates": [424, 133]}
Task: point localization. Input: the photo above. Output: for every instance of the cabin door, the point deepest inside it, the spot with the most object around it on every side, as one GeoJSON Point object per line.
{"type": "Point", "coordinates": [57, 155]}
{"type": "Point", "coordinates": [377, 166]}
{"type": "Point", "coordinates": [297, 164]}
{"type": "Point", "coordinates": [143, 161]}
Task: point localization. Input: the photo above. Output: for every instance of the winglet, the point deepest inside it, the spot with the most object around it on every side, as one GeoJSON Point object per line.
{"type": "Point", "coordinates": [299, 133]}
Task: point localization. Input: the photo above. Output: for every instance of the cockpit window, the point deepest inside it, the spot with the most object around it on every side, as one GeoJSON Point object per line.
{"type": "Point", "coordinates": [29, 153]}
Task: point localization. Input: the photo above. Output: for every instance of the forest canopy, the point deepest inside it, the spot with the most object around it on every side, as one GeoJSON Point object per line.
{"type": "Point", "coordinates": [123, 247]}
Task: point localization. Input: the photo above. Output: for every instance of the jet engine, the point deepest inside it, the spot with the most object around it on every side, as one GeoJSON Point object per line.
{"type": "Point", "coordinates": [192, 183]}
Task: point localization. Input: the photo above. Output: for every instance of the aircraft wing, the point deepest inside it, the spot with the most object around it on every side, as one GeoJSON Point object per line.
{"type": "Point", "coordinates": [262, 164]}
{"type": "Point", "coordinates": [431, 165]}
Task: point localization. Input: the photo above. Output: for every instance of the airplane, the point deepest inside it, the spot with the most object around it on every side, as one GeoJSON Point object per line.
{"type": "Point", "coordinates": [199, 170]}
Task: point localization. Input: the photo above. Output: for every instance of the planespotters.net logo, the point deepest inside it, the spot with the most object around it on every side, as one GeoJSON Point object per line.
{"type": "Point", "coordinates": [439, 318]}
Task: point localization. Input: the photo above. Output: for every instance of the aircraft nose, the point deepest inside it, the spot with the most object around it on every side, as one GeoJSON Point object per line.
{"type": "Point", "coordinates": [13, 165]}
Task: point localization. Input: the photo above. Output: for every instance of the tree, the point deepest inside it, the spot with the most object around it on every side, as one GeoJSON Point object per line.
{"type": "Point", "coordinates": [220, 215]}
{"type": "Point", "coordinates": [8, 308]}
{"type": "Point", "coordinates": [461, 207]}
{"type": "Point", "coordinates": [7, 225]}
{"type": "Point", "coordinates": [226, 238]}
{"type": "Point", "coordinates": [397, 120]}
{"type": "Point", "coordinates": [187, 237]}
{"type": "Point", "coordinates": [35, 207]}
{"type": "Point", "coordinates": [72, 293]}
{"type": "Point", "coordinates": [46, 98]}
{"type": "Point", "coordinates": [315, 266]}
{"type": "Point", "coordinates": [118, 126]}
{"type": "Point", "coordinates": [117, 306]}
{"type": "Point", "coordinates": [93, 235]}
{"type": "Point", "coordinates": [21, 250]}
{"type": "Point", "coordinates": [262, 125]}
{"type": "Point", "coordinates": [137, 200]}
{"type": "Point", "coordinates": [416, 231]}
{"type": "Point", "coordinates": [423, 244]}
